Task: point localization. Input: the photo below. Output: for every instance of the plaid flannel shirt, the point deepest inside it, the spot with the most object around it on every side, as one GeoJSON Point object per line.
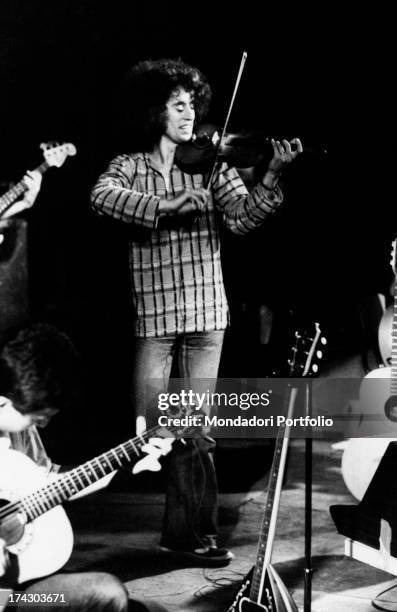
{"type": "Point", "coordinates": [175, 263]}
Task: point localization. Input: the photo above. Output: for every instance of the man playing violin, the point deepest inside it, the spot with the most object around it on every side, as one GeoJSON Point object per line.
{"type": "Point", "coordinates": [174, 253]}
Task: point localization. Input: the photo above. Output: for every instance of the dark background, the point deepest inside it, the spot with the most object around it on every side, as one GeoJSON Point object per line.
{"type": "Point", "coordinates": [319, 76]}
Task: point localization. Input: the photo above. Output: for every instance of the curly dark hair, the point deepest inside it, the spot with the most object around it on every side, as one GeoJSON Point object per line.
{"type": "Point", "coordinates": [39, 368]}
{"type": "Point", "coordinates": [148, 87]}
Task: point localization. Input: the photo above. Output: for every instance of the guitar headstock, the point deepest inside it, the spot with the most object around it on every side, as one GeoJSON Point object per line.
{"type": "Point", "coordinates": [307, 352]}
{"type": "Point", "coordinates": [393, 256]}
{"type": "Point", "coordinates": [55, 153]}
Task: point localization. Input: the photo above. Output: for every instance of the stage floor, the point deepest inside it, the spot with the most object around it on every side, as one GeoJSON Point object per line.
{"type": "Point", "coordinates": [118, 531]}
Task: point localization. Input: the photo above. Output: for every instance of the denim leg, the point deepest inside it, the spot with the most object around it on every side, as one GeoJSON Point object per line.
{"type": "Point", "coordinates": [192, 491]}
{"type": "Point", "coordinates": [191, 502]}
{"type": "Point", "coordinates": [151, 372]}
{"type": "Point", "coordinates": [199, 358]}
{"type": "Point", "coordinates": [84, 592]}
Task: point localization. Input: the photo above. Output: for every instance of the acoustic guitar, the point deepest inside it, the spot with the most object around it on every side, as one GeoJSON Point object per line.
{"type": "Point", "coordinates": [263, 590]}
{"type": "Point", "coordinates": [54, 156]}
{"type": "Point", "coordinates": [377, 403]}
{"type": "Point", "coordinates": [32, 522]}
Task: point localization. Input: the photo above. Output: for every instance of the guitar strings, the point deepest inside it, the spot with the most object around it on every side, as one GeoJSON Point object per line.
{"type": "Point", "coordinates": [52, 487]}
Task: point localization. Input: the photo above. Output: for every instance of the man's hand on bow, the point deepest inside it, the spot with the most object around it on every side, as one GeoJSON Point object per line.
{"type": "Point", "coordinates": [188, 202]}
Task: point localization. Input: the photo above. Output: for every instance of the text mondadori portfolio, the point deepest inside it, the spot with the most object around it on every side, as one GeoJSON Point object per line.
{"type": "Point", "coordinates": [194, 420]}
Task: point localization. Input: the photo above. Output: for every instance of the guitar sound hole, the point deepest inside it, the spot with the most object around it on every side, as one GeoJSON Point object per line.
{"type": "Point", "coordinates": [250, 606]}
{"type": "Point", "coordinates": [11, 528]}
{"type": "Point", "coordinates": [391, 408]}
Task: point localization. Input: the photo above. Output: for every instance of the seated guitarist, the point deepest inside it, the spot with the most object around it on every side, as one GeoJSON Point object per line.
{"type": "Point", "coordinates": [32, 179]}
{"type": "Point", "coordinates": [38, 368]}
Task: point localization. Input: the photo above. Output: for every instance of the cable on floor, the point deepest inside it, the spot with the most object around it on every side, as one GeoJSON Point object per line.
{"type": "Point", "coordinates": [217, 579]}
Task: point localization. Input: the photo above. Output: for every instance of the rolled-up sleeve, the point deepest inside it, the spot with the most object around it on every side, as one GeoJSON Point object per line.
{"type": "Point", "coordinates": [112, 195]}
{"type": "Point", "coordinates": [242, 211]}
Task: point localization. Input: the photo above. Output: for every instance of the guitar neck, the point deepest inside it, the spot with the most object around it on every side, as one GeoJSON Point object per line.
{"type": "Point", "coordinates": [267, 532]}
{"type": "Point", "coordinates": [393, 377]}
{"type": "Point", "coordinates": [80, 478]}
{"type": "Point", "coordinates": [8, 198]}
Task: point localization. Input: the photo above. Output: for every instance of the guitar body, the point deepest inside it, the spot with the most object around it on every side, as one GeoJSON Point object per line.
{"type": "Point", "coordinates": [33, 524]}
{"type": "Point", "coordinates": [362, 456]}
{"type": "Point", "coordinates": [360, 461]}
{"type": "Point", "coordinates": [275, 597]}
{"type": "Point", "coordinates": [385, 335]}
{"type": "Point", "coordinates": [44, 545]}
{"type": "Point", "coordinates": [375, 407]}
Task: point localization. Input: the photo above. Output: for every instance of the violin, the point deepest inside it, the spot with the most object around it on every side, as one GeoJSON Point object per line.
{"type": "Point", "coordinates": [243, 149]}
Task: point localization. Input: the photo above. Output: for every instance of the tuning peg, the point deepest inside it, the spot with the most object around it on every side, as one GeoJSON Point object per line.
{"type": "Point", "coordinates": [315, 368]}
{"type": "Point", "coordinates": [319, 354]}
{"type": "Point", "coordinates": [323, 340]}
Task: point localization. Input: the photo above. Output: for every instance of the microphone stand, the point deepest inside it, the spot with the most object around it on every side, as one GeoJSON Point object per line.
{"type": "Point", "coordinates": [308, 572]}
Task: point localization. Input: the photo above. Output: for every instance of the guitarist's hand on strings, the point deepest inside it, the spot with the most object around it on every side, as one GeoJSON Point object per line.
{"type": "Point", "coordinates": [155, 448]}
{"type": "Point", "coordinates": [32, 180]}
{"type": "Point", "coordinates": [4, 558]}
{"type": "Point", "coordinates": [9, 568]}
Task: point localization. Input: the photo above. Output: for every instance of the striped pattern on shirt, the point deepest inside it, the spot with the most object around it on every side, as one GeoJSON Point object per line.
{"type": "Point", "coordinates": [175, 264]}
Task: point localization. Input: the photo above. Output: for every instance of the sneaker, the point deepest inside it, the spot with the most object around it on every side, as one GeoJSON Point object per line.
{"type": "Point", "coordinates": [208, 555]}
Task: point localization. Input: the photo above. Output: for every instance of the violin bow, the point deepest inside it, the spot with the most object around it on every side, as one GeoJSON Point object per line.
{"type": "Point", "coordinates": [236, 86]}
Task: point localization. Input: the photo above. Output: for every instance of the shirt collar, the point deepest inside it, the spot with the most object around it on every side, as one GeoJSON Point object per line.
{"type": "Point", "coordinates": [146, 158]}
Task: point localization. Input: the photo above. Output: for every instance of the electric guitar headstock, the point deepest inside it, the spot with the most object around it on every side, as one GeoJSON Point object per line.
{"type": "Point", "coordinates": [55, 153]}
{"type": "Point", "coordinates": [307, 352]}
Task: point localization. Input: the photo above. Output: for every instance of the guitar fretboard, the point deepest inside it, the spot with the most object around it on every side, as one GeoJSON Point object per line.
{"type": "Point", "coordinates": [8, 198]}
{"type": "Point", "coordinates": [263, 543]}
{"type": "Point", "coordinates": [74, 481]}
{"type": "Point", "coordinates": [393, 381]}
{"type": "Point", "coordinates": [266, 537]}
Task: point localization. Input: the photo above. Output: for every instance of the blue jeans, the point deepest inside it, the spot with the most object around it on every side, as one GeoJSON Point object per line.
{"type": "Point", "coordinates": [83, 592]}
{"type": "Point", "coordinates": [192, 491]}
